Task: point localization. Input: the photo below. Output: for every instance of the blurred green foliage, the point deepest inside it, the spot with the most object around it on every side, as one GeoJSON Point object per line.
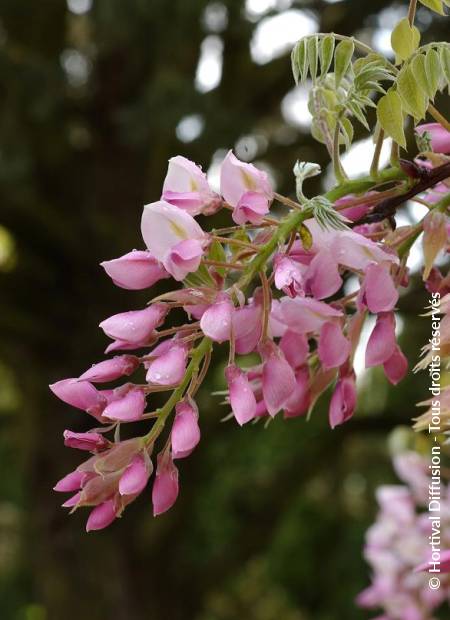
{"type": "Point", "coordinates": [270, 522]}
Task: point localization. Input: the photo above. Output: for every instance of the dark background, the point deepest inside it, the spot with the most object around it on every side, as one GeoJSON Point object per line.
{"type": "Point", "coordinates": [269, 523]}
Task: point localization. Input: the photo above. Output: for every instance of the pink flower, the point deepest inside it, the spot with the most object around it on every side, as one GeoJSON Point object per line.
{"type": "Point", "coordinates": [216, 320]}
{"type": "Point", "coordinates": [135, 477]}
{"type": "Point", "coordinates": [245, 188]}
{"type": "Point", "coordinates": [136, 326]}
{"type": "Point", "coordinates": [382, 343]}
{"type": "Point", "coordinates": [300, 399]}
{"type": "Point", "coordinates": [343, 401]}
{"type": "Point", "coordinates": [126, 406]}
{"type": "Point", "coordinates": [295, 348]}
{"type": "Point", "coordinates": [173, 237]}
{"type": "Point", "coordinates": [185, 430]}
{"type": "Point", "coordinates": [396, 366]}
{"type": "Point", "coordinates": [80, 394]}
{"type": "Point", "coordinates": [184, 258]}
{"type": "Point", "coordinates": [247, 327]}
{"type": "Point", "coordinates": [322, 276]}
{"type": "Point", "coordinates": [278, 378]}
{"type": "Point", "coordinates": [440, 137]}
{"type": "Point", "coordinates": [333, 348]}
{"type": "Point", "coordinates": [135, 270]}
{"type": "Point", "coordinates": [169, 367]}
{"type": "Point", "coordinates": [378, 292]}
{"type": "Point", "coordinates": [92, 442]}
{"type": "Point", "coordinates": [101, 516]}
{"type": "Point", "coordinates": [165, 486]}
{"type": "Point", "coordinates": [111, 369]}
{"type": "Point", "coordinates": [242, 398]}
{"type": "Point", "coordinates": [303, 314]}
{"type": "Point", "coordinates": [356, 252]}
{"type": "Point", "coordinates": [288, 276]}
{"type": "Point", "coordinates": [71, 482]}
{"type": "Point", "coordinates": [252, 207]}
{"type": "Point", "coordinates": [356, 212]}
{"type": "Point", "coordinates": [186, 186]}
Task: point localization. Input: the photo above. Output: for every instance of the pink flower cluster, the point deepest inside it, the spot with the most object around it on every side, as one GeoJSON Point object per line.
{"type": "Point", "coordinates": [398, 550]}
{"type": "Point", "coordinates": [303, 327]}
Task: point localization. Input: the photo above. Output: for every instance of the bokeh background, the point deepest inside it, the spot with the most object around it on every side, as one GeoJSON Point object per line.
{"type": "Point", "coordinates": [95, 96]}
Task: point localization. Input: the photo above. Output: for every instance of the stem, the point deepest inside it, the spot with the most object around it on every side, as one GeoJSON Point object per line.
{"type": "Point", "coordinates": [395, 154]}
{"type": "Point", "coordinates": [266, 304]}
{"type": "Point", "coordinates": [287, 201]}
{"type": "Point", "coordinates": [218, 263]}
{"type": "Point", "coordinates": [198, 354]}
{"type": "Point", "coordinates": [232, 241]}
{"type": "Point", "coordinates": [438, 117]}
{"type": "Point", "coordinates": [376, 155]}
{"type": "Point", "coordinates": [293, 220]}
{"type": "Point", "coordinates": [412, 12]}
{"type": "Point", "coordinates": [338, 170]}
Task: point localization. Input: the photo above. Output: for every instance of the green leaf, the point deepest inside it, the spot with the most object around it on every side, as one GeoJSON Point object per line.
{"type": "Point", "coordinates": [342, 59]}
{"type": "Point", "coordinates": [445, 62]}
{"type": "Point", "coordinates": [346, 132]}
{"type": "Point", "coordinates": [216, 252]}
{"type": "Point", "coordinates": [306, 237]}
{"type": "Point", "coordinates": [358, 113]}
{"type": "Point", "coordinates": [390, 116]}
{"type": "Point", "coordinates": [404, 39]}
{"type": "Point", "coordinates": [414, 101]}
{"type": "Point", "coordinates": [434, 5]}
{"type": "Point", "coordinates": [326, 53]}
{"type": "Point", "coordinates": [313, 55]}
{"type": "Point", "coordinates": [420, 73]}
{"type": "Point", "coordinates": [299, 61]}
{"type": "Point", "coordinates": [433, 69]}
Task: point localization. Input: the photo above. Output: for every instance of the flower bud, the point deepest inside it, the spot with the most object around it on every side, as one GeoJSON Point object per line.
{"type": "Point", "coordinates": [135, 271]}
{"type": "Point", "coordinates": [165, 486]}
{"type": "Point", "coordinates": [111, 369]}
{"type": "Point", "coordinates": [242, 398]}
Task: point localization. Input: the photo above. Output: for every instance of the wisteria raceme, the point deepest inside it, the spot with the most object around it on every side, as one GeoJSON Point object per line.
{"type": "Point", "coordinates": [397, 546]}
{"type": "Point", "coordinates": [298, 319]}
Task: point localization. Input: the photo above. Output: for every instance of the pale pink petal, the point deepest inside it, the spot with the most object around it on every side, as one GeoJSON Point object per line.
{"type": "Point", "coordinates": [247, 327]}
{"type": "Point", "coordinates": [163, 226]}
{"type": "Point", "coordinates": [288, 276]}
{"type": "Point", "coordinates": [356, 252]}
{"type": "Point", "coordinates": [334, 348]}
{"type": "Point", "coordinates": [278, 379]}
{"type": "Point", "coordinates": [216, 320]}
{"type": "Point", "coordinates": [92, 442]}
{"type": "Point", "coordinates": [101, 516]}
{"type": "Point", "coordinates": [109, 370]}
{"type": "Point", "coordinates": [186, 186]}
{"type": "Point", "coordinates": [300, 399]}
{"type": "Point", "coordinates": [242, 398]}
{"type": "Point", "coordinates": [165, 486]}
{"type": "Point", "coordinates": [322, 275]}
{"type": "Point", "coordinates": [185, 433]}
{"type": "Point", "coordinates": [80, 394]}
{"type": "Point", "coordinates": [237, 178]}
{"type": "Point", "coordinates": [304, 314]}
{"type": "Point", "coordinates": [71, 482]}
{"type": "Point", "coordinates": [343, 401]}
{"type": "Point", "coordinates": [382, 343]}
{"type": "Point", "coordinates": [135, 326]}
{"type": "Point", "coordinates": [252, 207]}
{"type": "Point", "coordinates": [295, 348]}
{"type": "Point", "coordinates": [135, 270]}
{"type": "Point", "coordinates": [168, 368]}
{"type": "Point", "coordinates": [129, 407]}
{"type": "Point", "coordinates": [379, 293]}
{"type": "Point", "coordinates": [184, 258]}
{"type": "Point", "coordinates": [396, 367]}
{"type": "Point", "coordinates": [135, 477]}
